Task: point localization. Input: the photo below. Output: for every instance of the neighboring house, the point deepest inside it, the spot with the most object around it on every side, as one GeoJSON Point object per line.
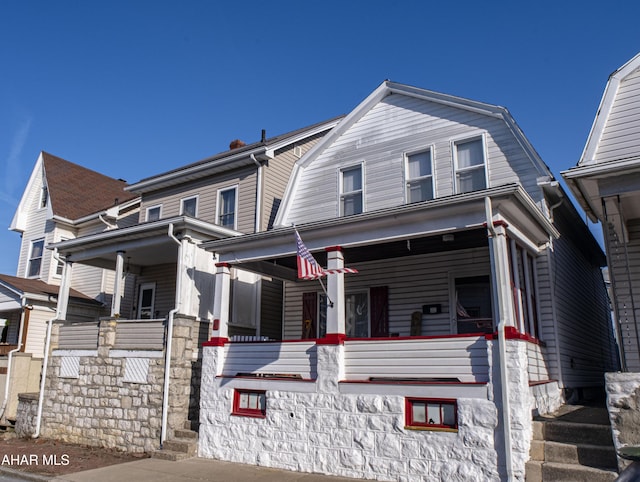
{"type": "Point", "coordinates": [62, 200]}
{"type": "Point", "coordinates": [606, 182]}
{"type": "Point", "coordinates": [223, 196]}
{"type": "Point", "coordinates": [479, 300]}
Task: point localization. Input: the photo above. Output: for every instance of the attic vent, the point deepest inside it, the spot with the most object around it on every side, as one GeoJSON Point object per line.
{"type": "Point", "coordinates": [297, 151]}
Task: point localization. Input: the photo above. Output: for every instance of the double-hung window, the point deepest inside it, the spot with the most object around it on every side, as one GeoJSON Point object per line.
{"type": "Point", "coordinates": [419, 177]}
{"type": "Point", "coordinates": [189, 206]}
{"type": "Point", "coordinates": [35, 258]}
{"type": "Point", "coordinates": [227, 208]}
{"type": "Point", "coordinates": [351, 191]}
{"type": "Point", "coordinates": [470, 171]}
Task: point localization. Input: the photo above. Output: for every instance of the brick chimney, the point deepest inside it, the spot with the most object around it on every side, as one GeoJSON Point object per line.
{"type": "Point", "coordinates": [235, 144]}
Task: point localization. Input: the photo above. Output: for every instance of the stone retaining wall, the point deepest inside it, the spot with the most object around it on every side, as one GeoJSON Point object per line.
{"type": "Point", "coordinates": [623, 404]}
{"type": "Point", "coordinates": [113, 398]}
{"type": "Point", "coordinates": [26, 414]}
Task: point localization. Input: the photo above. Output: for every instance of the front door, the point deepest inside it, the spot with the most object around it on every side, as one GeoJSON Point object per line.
{"type": "Point", "coordinates": [146, 299]}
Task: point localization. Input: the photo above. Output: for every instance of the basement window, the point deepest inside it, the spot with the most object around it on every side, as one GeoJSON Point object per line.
{"type": "Point", "coordinates": [431, 414]}
{"type": "Point", "coordinates": [250, 403]}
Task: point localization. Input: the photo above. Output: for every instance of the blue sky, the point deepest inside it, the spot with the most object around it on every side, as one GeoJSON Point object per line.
{"type": "Point", "coordinates": [135, 88]}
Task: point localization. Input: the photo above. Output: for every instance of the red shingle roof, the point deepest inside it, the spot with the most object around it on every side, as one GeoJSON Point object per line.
{"type": "Point", "coordinates": [76, 191]}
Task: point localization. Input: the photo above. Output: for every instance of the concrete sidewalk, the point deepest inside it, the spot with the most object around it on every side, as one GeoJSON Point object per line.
{"type": "Point", "coordinates": [196, 469]}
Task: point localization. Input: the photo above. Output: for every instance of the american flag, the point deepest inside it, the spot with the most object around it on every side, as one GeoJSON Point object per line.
{"type": "Point", "coordinates": [308, 267]}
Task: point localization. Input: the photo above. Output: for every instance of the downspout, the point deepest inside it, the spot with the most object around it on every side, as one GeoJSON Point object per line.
{"type": "Point", "coordinates": [167, 357]}
{"type": "Point", "coordinates": [25, 312]}
{"type": "Point", "coordinates": [502, 349]}
{"type": "Point", "coordinates": [257, 224]}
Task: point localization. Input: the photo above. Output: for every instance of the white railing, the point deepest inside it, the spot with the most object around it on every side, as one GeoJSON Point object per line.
{"type": "Point", "coordinates": [452, 358]}
{"type": "Point", "coordinates": [296, 359]}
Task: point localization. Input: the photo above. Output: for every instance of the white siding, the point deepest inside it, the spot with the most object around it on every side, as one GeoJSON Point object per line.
{"type": "Point", "coordinates": [620, 137]}
{"type": "Point", "coordinates": [397, 125]}
{"type": "Point", "coordinates": [268, 358]}
{"type": "Point", "coordinates": [413, 281]}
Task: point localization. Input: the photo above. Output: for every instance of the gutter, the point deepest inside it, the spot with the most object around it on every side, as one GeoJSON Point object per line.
{"type": "Point", "coordinates": [167, 356]}
{"type": "Point", "coordinates": [258, 220]}
{"type": "Point", "coordinates": [502, 349]}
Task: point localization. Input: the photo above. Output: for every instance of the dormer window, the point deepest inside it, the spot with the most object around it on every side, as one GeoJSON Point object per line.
{"type": "Point", "coordinates": [469, 161]}
{"type": "Point", "coordinates": [35, 258]}
{"type": "Point", "coordinates": [44, 197]}
{"type": "Point", "coordinates": [419, 177]}
{"type": "Point", "coordinates": [189, 206]}
{"type": "Point", "coordinates": [351, 191]}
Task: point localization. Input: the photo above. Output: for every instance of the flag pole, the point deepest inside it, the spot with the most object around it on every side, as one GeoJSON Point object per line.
{"type": "Point", "coordinates": [325, 292]}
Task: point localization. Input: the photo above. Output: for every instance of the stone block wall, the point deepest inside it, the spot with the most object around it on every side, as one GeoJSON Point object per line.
{"type": "Point", "coordinates": [113, 398]}
{"type": "Point", "coordinates": [26, 414]}
{"type": "Point", "coordinates": [323, 430]}
{"type": "Point", "coordinates": [623, 404]}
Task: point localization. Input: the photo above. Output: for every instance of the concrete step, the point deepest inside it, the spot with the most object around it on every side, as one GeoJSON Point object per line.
{"type": "Point", "coordinates": [169, 455]}
{"type": "Point", "coordinates": [577, 433]}
{"type": "Point", "coordinates": [537, 471]}
{"type": "Point", "coordinates": [185, 434]}
{"type": "Point", "coordinates": [186, 446]}
{"type": "Point", "coordinates": [598, 456]}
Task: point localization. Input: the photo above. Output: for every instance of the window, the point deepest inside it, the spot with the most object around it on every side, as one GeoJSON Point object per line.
{"type": "Point", "coordinates": [154, 213]}
{"type": "Point", "coordinates": [189, 206]}
{"type": "Point", "coordinates": [44, 197]}
{"type": "Point", "coordinates": [35, 258]}
{"type": "Point", "coordinates": [245, 296]}
{"type": "Point", "coordinates": [60, 264]}
{"type": "Point", "coordinates": [473, 305]}
{"type": "Point", "coordinates": [356, 315]}
{"type": "Point", "coordinates": [428, 413]}
{"type": "Point", "coordinates": [227, 207]}
{"type": "Point", "coordinates": [419, 177]}
{"type": "Point", "coordinates": [469, 162]}
{"type": "Point", "coordinates": [523, 273]}
{"type": "Point", "coordinates": [351, 191]}
{"type": "Point", "coordinates": [250, 403]}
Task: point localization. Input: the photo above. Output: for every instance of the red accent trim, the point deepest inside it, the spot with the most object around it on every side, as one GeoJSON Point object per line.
{"type": "Point", "coordinates": [330, 249]}
{"type": "Point", "coordinates": [223, 265]}
{"type": "Point", "coordinates": [332, 339]}
{"type": "Point", "coordinates": [216, 324]}
{"type": "Point", "coordinates": [245, 411]}
{"type": "Point", "coordinates": [401, 382]}
{"type": "Point", "coordinates": [541, 382]}
{"type": "Point", "coordinates": [512, 333]}
{"type": "Point", "coordinates": [408, 412]}
{"type": "Point", "coordinates": [497, 223]}
{"type": "Point", "coordinates": [272, 379]}
{"type": "Point", "coordinates": [216, 341]}
{"type": "Point", "coordinates": [425, 337]}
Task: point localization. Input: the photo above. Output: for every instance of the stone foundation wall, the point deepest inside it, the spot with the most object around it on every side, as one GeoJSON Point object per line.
{"type": "Point", "coordinates": [320, 429]}
{"type": "Point", "coordinates": [113, 398]}
{"type": "Point", "coordinates": [26, 414]}
{"type": "Point", "coordinates": [623, 404]}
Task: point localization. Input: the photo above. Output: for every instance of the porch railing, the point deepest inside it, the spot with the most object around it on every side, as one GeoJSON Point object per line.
{"type": "Point", "coordinates": [5, 348]}
{"type": "Point", "coordinates": [537, 367]}
{"type": "Point", "coordinates": [140, 335]}
{"type": "Point", "coordinates": [458, 358]}
{"type": "Point", "coordinates": [78, 336]}
{"type": "Point", "coordinates": [295, 359]}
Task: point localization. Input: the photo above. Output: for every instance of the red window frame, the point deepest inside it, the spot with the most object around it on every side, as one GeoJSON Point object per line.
{"type": "Point", "coordinates": [411, 423]}
{"type": "Point", "coordinates": [241, 404]}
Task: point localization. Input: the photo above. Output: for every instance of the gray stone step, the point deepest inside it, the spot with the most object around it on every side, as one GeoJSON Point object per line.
{"type": "Point", "coordinates": [557, 472]}
{"type": "Point", "coordinates": [185, 434]}
{"type": "Point", "coordinates": [169, 455]}
{"type": "Point", "coordinates": [598, 456]}
{"type": "Point", "coordinates": [577, 433]}
{"type": "Point", "coordinates": [187, 446]}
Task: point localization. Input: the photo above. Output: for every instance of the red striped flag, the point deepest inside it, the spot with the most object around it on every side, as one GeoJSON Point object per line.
{"type": "Point", "coordinates": [308, 267]}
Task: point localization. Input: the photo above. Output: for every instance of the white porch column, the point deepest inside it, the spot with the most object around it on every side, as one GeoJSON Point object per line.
{"type": "Point", "coordinates": [63, 291]}
{"type": "Point", "coordinates": [221, 303]}
{"type": "Point", "coordinates": [335, 292]}
{"type": "Point", "coordinates": [501, 274]}
{"type": "Point", "coordinates": [185, 286]}
{"type": "Point", "coordinates": [117, 284]}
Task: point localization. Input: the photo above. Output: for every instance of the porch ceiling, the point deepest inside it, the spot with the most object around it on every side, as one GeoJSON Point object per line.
{"type": "Point", "coordinates": [285, 267]}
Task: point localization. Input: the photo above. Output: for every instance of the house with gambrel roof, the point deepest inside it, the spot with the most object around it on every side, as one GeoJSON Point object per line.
{"type": "Point", "coordinates": [478, 302]}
